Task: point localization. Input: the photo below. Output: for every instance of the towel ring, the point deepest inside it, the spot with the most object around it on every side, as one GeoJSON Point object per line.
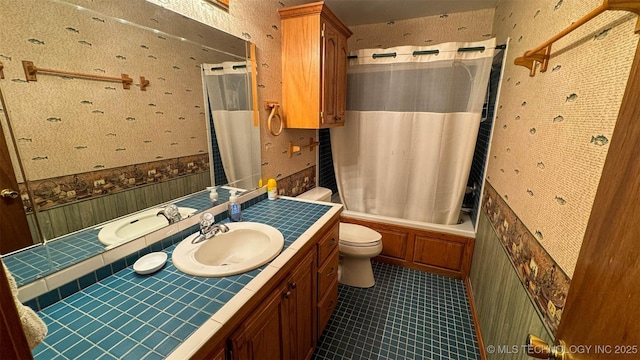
{"type": "Point", "coordinates": [274, 113]}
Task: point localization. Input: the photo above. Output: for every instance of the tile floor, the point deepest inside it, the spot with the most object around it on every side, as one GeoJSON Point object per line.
{"type": "Point", "coordinates": [408, 314]}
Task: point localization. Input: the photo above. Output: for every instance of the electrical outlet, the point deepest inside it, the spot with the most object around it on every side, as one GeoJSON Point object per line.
{"type": "Point", "coordinates": [151, 172]}
{"type": "Point", "coordinates": [190, 165]}
{"type": "Point", "coordinates": [98, 183]}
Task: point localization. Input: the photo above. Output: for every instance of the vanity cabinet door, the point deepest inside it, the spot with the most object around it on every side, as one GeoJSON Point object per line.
{"type": "Point", "coordinates": [284, 325]}
{"type": "Point", "coordinates": [301, 304]}
{"type": "Point", "coordinates": [265, 334]}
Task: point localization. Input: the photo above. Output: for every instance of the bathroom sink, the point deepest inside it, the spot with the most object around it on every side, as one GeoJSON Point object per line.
{"type": "Point", "coordinates": [246, 246]}
{"type": "Point", "coordinates": [136, 225]}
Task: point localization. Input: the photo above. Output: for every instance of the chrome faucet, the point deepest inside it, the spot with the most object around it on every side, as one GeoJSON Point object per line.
{"type": "Point", "coordinates": [171, 213]}
{"type": "Point", "coordinates": [208, 228]}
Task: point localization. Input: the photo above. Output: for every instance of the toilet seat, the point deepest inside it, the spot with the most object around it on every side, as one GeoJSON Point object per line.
{"type": "Point", "coordinates": [359, 244]}
{"type": "Point", "coordinates": [358, 236]}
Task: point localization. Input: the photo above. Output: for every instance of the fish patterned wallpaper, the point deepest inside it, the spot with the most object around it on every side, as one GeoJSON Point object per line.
{"type": "Point", "coordinates": [65, 125]}
{"type": "Point", "coordinates": [258, 21]}
{"type": "Point", "coordinates": [425, 31]}
{"type": "Point", "coordinates": [552, 131]}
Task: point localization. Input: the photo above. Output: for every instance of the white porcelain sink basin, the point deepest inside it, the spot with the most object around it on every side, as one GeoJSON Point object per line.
{"type": "Point", "coordinates": [246, 246]}
{"type": "Point", "coordinates": [136, 225]}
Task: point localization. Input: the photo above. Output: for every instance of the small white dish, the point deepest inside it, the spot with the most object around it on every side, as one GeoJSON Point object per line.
{"type": "Point", "coordinates": [150, 263]}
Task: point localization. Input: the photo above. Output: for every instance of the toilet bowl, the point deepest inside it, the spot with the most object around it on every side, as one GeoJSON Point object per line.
{"type": "Point", "coordinates": [357, 245]}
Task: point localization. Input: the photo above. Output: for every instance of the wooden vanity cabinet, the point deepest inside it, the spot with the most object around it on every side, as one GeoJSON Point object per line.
{"type": "Point", "coordinates": [283, 327]}
{"type": "Point", "coordinates": [328, 261]}
{"type": "Point", "coordinates": [314, 67]}
{"type": "Point", "coordinates": [281, 321]}
{"type": "Point", "coordinates": [301, 301]}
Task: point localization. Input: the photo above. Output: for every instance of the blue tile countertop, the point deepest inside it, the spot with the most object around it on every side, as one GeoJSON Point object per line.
{"type": "Point", "coordinates": [129, 316]}
{"type": "Point", "coordinates": [40, 261]}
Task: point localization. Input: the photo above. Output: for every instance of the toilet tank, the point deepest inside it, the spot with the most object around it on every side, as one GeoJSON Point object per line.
{"type": "Point", "coordinates": [317, 194]}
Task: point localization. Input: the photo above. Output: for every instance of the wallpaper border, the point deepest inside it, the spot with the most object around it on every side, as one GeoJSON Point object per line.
{"type": "Point", "coordinates": [543, 279]}
{"type": "Point", "coordinates": [67, 189]}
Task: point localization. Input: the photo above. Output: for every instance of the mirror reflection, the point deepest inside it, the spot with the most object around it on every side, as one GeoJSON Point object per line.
{"type": "Point", "coordinates": [231, 124]}
{"type": "Point", "coordinates": [92, 150]}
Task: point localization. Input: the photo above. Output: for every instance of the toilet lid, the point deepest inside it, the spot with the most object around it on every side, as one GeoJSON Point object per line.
{"type": "Point", "coordinates": [358, 235]}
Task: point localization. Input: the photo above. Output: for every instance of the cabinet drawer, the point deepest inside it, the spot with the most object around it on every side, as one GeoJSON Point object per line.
{"type": "Point", "coordinates": [328, 273]}
{"type": "Point", "coordinates": [326, 306]}
{"type": "Point", "coordinates": [328, 244]}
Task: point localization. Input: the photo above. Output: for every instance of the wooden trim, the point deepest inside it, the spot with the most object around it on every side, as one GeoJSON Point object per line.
{"type": "Point", "coordinates": [609, 299]}
{"type": "Point", "coordinates": [14, 343]}
{"type": "Point", "coordinates": [14, 226]}
{"type": "Point", "coordinates": [224, 4]}
{"type": "Point", "coordinates": [254, 83]}
{"type": "Point", "coordinates": [315, 9]}
{"type": "Point", "coordinates": [476, 320]}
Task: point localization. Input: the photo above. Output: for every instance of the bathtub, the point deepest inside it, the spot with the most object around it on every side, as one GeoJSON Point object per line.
{"type": "Point", "coordinates": [465, 228]}
{"type": "Point", "coordinates": [441, 249]}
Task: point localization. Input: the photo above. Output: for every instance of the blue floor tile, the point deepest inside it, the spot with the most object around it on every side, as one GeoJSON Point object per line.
{"type": "Point", "coordinates": [408, 314]}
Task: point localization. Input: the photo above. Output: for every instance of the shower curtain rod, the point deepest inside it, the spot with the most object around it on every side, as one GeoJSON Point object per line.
{"type": "Point", "coordinates": [431, 52]}
{"type": "Point", "coordinates": [234, 67]}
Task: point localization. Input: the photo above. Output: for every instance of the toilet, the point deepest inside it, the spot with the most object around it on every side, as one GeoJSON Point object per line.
{"type": "Point", "coordinates": [357, 245]}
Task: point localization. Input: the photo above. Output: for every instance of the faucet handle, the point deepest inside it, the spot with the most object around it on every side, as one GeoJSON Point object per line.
{"type": "Point", "coordinates": [171, 211]}
{"type": "Point", "coordinates": [206, 222]}
{"type": "Point", "coordinates": [223, 228]}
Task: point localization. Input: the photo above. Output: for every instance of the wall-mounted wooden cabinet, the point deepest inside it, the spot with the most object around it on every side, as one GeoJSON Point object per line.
{"type": "Point", "coordinates": [314, 67]}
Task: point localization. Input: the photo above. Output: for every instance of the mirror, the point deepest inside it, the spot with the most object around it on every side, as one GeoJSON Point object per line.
{"type": "Point", "coordinates": [231, 125]}
{"type": "Point", "coordinates": [91, 149]}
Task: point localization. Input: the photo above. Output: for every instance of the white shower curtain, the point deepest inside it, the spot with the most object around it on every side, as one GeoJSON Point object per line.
{"type": "Point", "coordinates": [406, 148]}
{"type": "Point", "coordinates": [228, 88]}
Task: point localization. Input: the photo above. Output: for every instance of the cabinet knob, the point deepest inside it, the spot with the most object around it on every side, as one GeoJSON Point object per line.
{"type": "Point", "coordinates": [331, 272]}
{"type": "Point", "coordinates": [287, 294]}
{"type": "Point", "coordinates": [293, 285]}
{"type": "Point", "coordinates": [330, 306]}
{"type": "Point", "coordinates": [332, 242]}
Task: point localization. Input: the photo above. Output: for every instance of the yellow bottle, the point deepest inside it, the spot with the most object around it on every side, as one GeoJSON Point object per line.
{"type": "Point", "coordinates": [272, 189]}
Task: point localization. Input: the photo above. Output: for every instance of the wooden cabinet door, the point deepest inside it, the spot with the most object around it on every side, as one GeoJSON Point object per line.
{"type": "Point", "coordinates": [13, 220]}
{"type": "Point", "coordinates": [265, 334]}
{"type": "Point", "coordinates": [301, 303]}
{"type": "Point", "coordinates": [341, 79]}
{"type": "Point", "coordinates": [329, 73]}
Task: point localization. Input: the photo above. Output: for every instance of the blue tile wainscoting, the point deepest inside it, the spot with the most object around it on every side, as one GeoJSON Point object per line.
{"type": "Point", "coordinates": [114, 313]}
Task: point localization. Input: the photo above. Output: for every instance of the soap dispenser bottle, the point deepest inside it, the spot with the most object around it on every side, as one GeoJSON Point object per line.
{"type": "Point", "coordinates": [235, 212]}
{"type": "Point", "coordinates": [213, 194]}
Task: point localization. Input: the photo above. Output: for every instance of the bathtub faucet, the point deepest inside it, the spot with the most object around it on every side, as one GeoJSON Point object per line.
{"type": "Point", "coordinates": [171, 213]}
{"type": "Point", "coordinates": [208, 228]}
